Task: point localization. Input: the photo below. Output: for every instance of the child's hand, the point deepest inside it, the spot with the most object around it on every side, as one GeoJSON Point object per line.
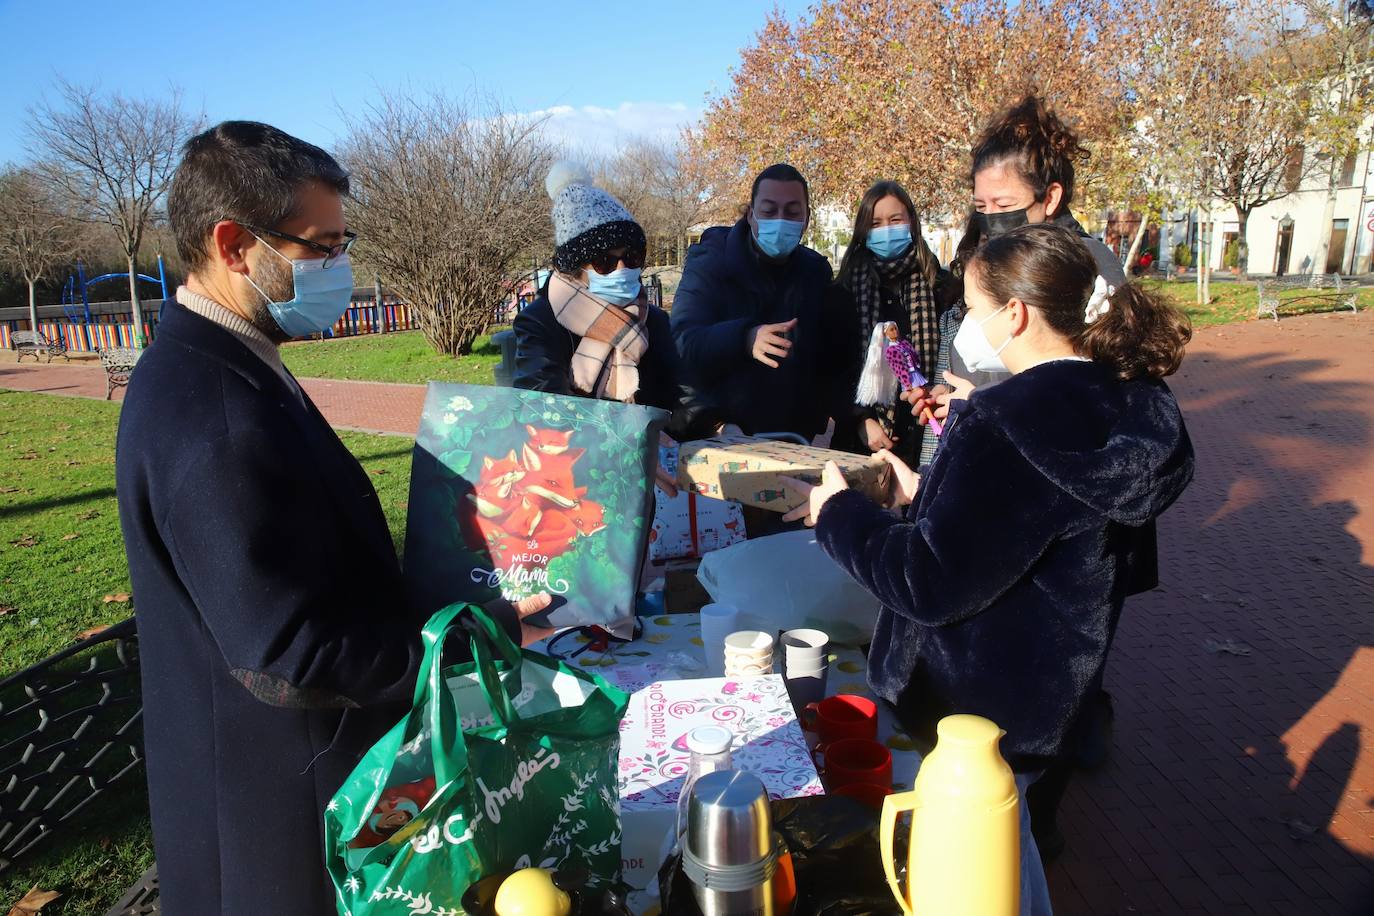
{"type": "Point", "coordinates": [832, 482]}
{"type": "Point", "coordinates": [905, 481]}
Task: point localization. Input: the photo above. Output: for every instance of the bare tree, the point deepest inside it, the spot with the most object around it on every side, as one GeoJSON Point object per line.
{"type": "Point", "coordinates": [449, 205]}
{"type": "Point", "coordinates": [111, 157]}
{"type": "Point", "coordinates": [1329, 46]}
{"type": "Point", "coordinates": [35, 235]}
{"type": "Point", "coordinates": [666, 185]}
{"type": "Point", "coordinates": [1257, 153]}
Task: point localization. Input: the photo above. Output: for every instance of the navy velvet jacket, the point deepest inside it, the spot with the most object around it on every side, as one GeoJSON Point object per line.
{"type": "Point", "coordinates": [1002, 586]}
{"type": "Point", "coordinates": [275, 644]}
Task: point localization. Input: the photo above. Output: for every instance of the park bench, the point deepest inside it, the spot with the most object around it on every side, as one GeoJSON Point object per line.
{"type": "Point", "coordinates": [36, 343]}
{"type": "Point", "coordinates": [1321, 288]}
{"type": "Point", "coordinates": [118, 363]}
{"type": "Point", "coordinates": [71, 730]}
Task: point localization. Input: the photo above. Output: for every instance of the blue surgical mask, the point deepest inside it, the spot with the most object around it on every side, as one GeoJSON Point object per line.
{"type": "Point", "coordinates": [778, 237]}
{"type": "Point", "coordinates": [619, 287]}
{"type": "Point", "coordinates": [321, 295]}
{"type": "Point", "coordinates": [888, 242]}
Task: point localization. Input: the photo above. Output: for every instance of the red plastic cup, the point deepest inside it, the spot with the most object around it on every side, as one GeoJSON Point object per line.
{"type": "Point", "coordinates": [869, 795]}
{"type": "Point", "coordinates": [842, 716]}
{"type": "Point", "coordinates": [856, 761]}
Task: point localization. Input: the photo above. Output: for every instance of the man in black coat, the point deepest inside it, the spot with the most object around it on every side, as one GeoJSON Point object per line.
{"type": "Point", "coordinates": [275, 645]}
{"type": "Point", "coordinates": [750, 320]}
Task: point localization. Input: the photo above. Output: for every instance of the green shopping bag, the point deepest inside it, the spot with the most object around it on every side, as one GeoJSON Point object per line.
{"type": "Point", "coordinates": [506, 762]}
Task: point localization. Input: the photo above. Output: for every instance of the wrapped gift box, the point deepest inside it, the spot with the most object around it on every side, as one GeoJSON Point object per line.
{"type": "Point", "coordinates": [688, 525]}
{"type": "Point", "coordinates": [654, 756]}
{"type": "Point", "coordinates": [747, 470]}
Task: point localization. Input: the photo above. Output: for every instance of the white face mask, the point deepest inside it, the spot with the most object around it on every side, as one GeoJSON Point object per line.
{"type": "Point", "coordinates": [971, 343]}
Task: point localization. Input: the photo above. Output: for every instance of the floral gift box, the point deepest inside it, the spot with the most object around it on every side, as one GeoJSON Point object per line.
{"type": "Point", "coordinates": [513, 493]}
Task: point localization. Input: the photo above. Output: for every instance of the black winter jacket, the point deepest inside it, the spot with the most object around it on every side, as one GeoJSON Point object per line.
{"type": "Point", "coordinates": [1002, 586]}
{"type": "Point", "coordinates": [543, 362]}
{"type": "Point", "coordinates": [275, 643]}
{"type": "Point", "coordinates": [727, 288]}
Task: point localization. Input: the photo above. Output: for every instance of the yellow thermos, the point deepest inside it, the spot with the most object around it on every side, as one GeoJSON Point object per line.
{"type": "Point", "coordinates": [965, 854]}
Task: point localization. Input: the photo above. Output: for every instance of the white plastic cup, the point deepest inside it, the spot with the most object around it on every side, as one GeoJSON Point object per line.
{"type": "Point", "coordinates": [717, 622]}
{"type": "Point", "coordinates": [805, 646]}
{"type": "Point", "coordinates": [748, 653]}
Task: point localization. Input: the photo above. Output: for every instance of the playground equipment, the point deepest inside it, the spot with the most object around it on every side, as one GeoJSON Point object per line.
{"type": "Point", "coordinates": [78, 285]}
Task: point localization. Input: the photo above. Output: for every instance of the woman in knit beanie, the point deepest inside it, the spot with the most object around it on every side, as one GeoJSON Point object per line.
{"type": "Point", "coordinates": [592, 331]}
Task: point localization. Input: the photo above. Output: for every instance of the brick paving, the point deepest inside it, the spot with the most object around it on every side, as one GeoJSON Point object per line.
{"type": "Point", "coordinates": [369, 406]}
{"type": "Point", "coordinates": [1241, 781]}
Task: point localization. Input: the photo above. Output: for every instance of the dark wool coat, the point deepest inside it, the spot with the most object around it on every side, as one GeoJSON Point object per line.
{"type": "Point", "coordinates": [1002, 586]}
{"type": "Point", "coordinates": [728, 288]}
{"type": "Point", "coordinates": [274, 644]}
{"type": "Point", "coordinates": [543, 362]}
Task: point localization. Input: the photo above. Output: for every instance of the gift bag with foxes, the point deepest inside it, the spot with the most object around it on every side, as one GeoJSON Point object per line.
{"type": "Point", "coordinates": [513, 493]}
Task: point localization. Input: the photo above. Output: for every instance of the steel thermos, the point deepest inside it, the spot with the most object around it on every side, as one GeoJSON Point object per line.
{"type": "Point", "coordinates": [729, 852]}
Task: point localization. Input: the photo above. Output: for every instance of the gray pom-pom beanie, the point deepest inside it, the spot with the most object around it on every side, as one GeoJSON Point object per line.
{"type": "Point", "coordinates": [586, 220]}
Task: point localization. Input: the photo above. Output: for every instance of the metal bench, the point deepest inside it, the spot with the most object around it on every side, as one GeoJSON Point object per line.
{"type": "Point", "coordinates": [1324, 288]}
{"type": "Point", "coordinates": [71, 729]}
{"type": "Point", "coordinates": [118, 363]}
{"type": "Point", "coordinates": [35, 344]}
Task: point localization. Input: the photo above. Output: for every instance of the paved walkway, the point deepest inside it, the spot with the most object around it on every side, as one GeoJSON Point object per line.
{"type": "Point", "coordinates": [1244, 763]}
{"type": "Point", "coordinates": [370, 406]}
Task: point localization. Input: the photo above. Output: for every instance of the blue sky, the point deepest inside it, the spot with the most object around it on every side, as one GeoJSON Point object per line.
{"type": "Point", "coordinates": [604, 71]}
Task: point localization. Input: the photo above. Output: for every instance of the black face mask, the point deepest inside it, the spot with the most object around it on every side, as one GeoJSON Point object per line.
{"type": "Point", "coordinates": [995, 224]}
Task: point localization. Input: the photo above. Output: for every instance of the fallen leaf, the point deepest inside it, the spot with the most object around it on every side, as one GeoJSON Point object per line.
{"type": "Point", "coordinates": [1226, 647]}
{"type": "Point", "coordinates": [33, 901]}
{"type": "Point", "coordinates": [28, 456]}
{"type": "Point", "coordinates": [105, 842]}
{"type": "Point", "coordinates": [87, 634]}
{"type": "Point", "coordinates": [116, 599]}
{"type": "Point", "coordinates": [70, 537]}
{"type": "Point", "coordinates": [72, 463]}
{"type": "Point", "coordinates": [379, 472]}
{"type": "Point", "coordinates": [9, 489]}
{"type": "Point", "coordinates": [87, 516]}
{"type": "Point", "coordinates": [6, 609]}
{"type": "Point", "coordinates": [27, 540]}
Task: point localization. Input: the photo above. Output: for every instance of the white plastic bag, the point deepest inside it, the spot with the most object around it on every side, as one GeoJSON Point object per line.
{"type": "Point", "coordinates": [786, 581]}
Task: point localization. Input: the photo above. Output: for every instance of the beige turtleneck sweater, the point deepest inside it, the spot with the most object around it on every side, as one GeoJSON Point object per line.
{"type": "Point", "coordinates": [252, 338]}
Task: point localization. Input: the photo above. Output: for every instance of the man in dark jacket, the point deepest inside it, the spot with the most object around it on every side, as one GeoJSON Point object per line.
{"type": "Point", "coordinates": [750, 321]}
{"type": "Point", "coordinates": [275, 645]}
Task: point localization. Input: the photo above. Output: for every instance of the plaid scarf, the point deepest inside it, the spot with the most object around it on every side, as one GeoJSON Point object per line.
{"type": "Point", "coordinates": [614, 339]}
{"type": "Point", "coordinates": [917, 296]}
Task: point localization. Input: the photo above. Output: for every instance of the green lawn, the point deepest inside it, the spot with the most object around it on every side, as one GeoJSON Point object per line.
{"type": "Point", "coordinates": [399, 357]}
{"type": "Point", "coordinates": [1237, 301]}
{"type": "Point", "coordinates": [62, 556]}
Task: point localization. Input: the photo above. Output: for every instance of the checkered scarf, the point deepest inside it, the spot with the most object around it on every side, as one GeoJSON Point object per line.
{"type": "Point", "coordinates": [918, 297]}
{"type": "Point", "coordinates": [614, 339]}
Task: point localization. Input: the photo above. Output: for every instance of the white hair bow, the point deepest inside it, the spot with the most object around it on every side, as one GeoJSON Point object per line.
{"type": "Point", "coordinates": [1099, 301]}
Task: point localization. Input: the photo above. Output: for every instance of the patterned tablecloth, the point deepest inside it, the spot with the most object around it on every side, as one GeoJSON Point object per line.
{"type": "Point", "coordinates": [670, 648]}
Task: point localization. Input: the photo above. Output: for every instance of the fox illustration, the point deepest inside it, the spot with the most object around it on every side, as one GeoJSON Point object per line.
{"type": "Point", "coordinates": [497, 493]}
{"type": "Point", "coordinates": [548, 463]}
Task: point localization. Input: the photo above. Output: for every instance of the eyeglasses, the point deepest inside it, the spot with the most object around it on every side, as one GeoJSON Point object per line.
{"type": "Point", "coordinates": [606, 262]}
{"type": "Point", "coordinates": [331, 252]}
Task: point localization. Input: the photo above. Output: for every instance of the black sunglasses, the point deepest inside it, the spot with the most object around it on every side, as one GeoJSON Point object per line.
{"type": "Point", "coordinates": [606, 262]}
{"type": "Point", "coordinates": [331, 252]}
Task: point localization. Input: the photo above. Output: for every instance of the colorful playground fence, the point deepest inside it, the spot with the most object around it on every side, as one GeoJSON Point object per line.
{"type": "Point", "coordinates": [110, 327]}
